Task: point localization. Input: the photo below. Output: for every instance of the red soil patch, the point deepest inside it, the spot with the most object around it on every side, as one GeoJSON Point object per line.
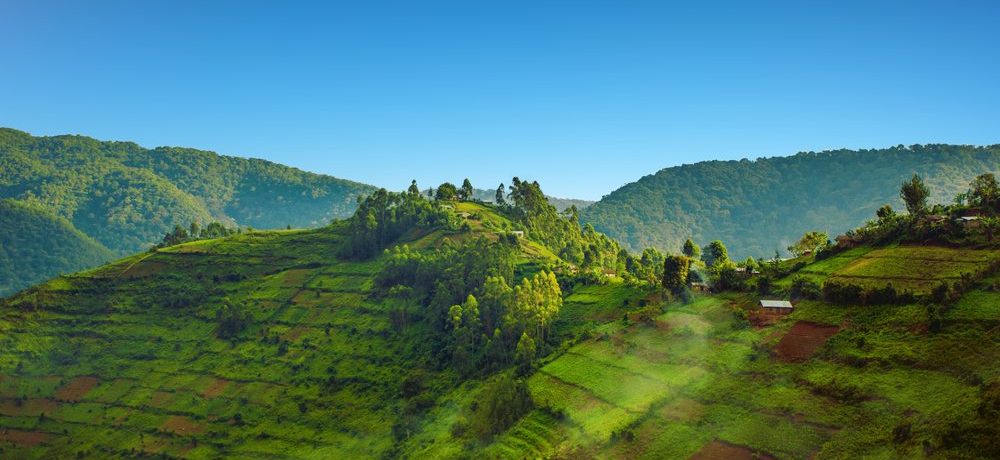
{"type": "Point", "coordinates": [216, 388]}
{"type": "Point", "coordinates": [160, 399]}
{"type": "Point", "coordinates": [27, 408]}
{"type": "Point", "coordinates": [77, 388]}
{"type": "Point", "coordinates": [683, 410]}
{"type": "Point", "coordinates": [24, 438]}
{"type": "Point", "coordinates": [760, 319]}
{"type": "Point", "coordinates": [181, 425]}
{"type": "Point", "coordinates": [721, 450]}
{"type": "Point", "coordinates": [803, 340]}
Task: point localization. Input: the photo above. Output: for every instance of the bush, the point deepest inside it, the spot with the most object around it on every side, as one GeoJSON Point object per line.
{"type": "Point", "coordinates": [804, 288]}
{"type": "Point", "coordinates": [501, 404]}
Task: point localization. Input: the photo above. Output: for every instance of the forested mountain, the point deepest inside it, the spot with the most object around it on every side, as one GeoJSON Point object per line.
{"type": "Point", "coordinates": [759, 206]}
{"type": "Point", "coordinates": [26, 259]}
{"type": "Point", "coordinates": [126, 196]}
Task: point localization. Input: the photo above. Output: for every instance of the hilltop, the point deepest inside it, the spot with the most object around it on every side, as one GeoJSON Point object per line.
{"type": "Point", "coordinates": [126, 197]}
{"type": "Point", "coordinates": [759, 206]}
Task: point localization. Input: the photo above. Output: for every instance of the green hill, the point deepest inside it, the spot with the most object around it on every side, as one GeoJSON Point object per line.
{"type": "Point", "coordinates": [759, 206]}
{"type": "Point", "coordinates": [319, 344]}
{"type": "Point", "coordinates": [126, 196]}
{"type": "Point", "coordinates": [287, 344]}
{"type": "Point", "coordinates": [26, 259]}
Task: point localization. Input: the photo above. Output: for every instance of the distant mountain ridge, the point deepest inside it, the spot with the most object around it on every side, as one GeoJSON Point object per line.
{"type": "Point", "coordinates": [126, 197]}
{"type": "Point", "coordinates": [757, 207]}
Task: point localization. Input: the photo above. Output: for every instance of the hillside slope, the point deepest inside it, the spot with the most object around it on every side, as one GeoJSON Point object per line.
{"type": "Point", "coordinates": [127, 197]}
{"type": "Point", "coordinates": [275, 344]}
{"type": "Point", "coordinates": [759, 206]}
{"type": "Point", "coordinates": [263, 344]}
{"type": "Point", "coordinates": [26, 259]}
{"type": "Point", "coordinates": [826, 381]}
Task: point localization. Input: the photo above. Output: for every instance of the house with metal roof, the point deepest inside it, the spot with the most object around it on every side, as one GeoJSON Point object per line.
{"type": "Point", "coordinates": [782, 307]}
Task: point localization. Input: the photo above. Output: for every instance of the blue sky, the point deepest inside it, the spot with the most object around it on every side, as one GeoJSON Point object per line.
{"type": "Point", "coordinates": [581, 96]}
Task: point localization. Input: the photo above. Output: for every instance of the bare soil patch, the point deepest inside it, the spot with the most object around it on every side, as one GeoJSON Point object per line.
{"type": "Point", "coordinates": [803, 340]}
{"type": "Point", "coordinates": [161, 399]}
{"type": "Point", "coordinates": [28, 407]}
{"type": "Point", "coordinates": [181, 425]}
{"type": "Point", "coordinates": [24, 438]}
{"type": "Point", "coordinates": [721, 450]}
{"type": "Point", "coordinates": [683, 410]}
{"type": "Point", "coordinates": [77, 388]}
{"type": "Point", "coordinates": [761, 319]}
{"type": "Point", "coordinates": [215, 388]}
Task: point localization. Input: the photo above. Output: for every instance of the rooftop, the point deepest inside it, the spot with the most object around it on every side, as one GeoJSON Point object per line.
{"type": "Point", "coordinates": [776, 304]}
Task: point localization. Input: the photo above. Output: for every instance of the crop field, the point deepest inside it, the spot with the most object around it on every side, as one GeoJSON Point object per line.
{"type": "Point", "coordinates": [824, 380]}
{"type": "Point", "coordinates": [907, 268]}
{"type": "Point", "coordinates": [119, 378]}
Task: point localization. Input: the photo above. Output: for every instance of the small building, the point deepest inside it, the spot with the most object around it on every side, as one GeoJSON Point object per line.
{"type": "Point", "coordinates": [518, 233]}
{"type": "Point", "coordinates": [698, 286]}
{"type": "Point", "coordinates": [969, 221]}
{"type": "Point", "coordinates": [464, 215]}
{"type": "Point", "coordinates": [781, 307]}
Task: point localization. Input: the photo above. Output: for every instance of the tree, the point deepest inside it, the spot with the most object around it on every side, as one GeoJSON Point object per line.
{"type": "Point", "coordinates": [466, 191]}
{"type": "Point", "coordinates": [524, 354]}
{"type": "Point", "coordinates": [500, 405]}
{"type": "Point", "coordinates": [675, 273]}
{"type": "Point", "coordinates": [989, 224]}
{"type": "Point", "coordinates": [446, 192]}
{"type": "Point", "coordinates": [230, 320]}
{"type": "Point", "coordinates": [501, 195]}
{"type": "Point", "coordinates": [809, 242]}
{"type": "Point", "coordinates": [413, 190]}
{"type": "Point", "coordinates": [914, 193]}
{"type": "Point", "coordinates": [715, 254]}
{"type": "Point", "coordinates": [690, 249]}
{"type": "Point", "coordinates": [885, 213]}
{"type": "Point", "coordinates": [985, 192]}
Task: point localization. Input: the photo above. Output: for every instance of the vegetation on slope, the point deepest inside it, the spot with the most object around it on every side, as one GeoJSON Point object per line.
{"type": "Point", "coordinates": [126, 197]}
{"type": "Point", "coordinates": [759, 206]}
{"type": "Point", "coordinates": [449, 335]}
{"type": "Point", "coordinates": [26, 259]}
{"type": "Point", "coordinates": [284, 343]}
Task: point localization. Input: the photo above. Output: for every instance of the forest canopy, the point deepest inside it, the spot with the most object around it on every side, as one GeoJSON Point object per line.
{"type": "Point", "coordinates": [759, 206]}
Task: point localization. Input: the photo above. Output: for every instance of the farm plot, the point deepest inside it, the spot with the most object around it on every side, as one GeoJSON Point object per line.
{"type": "Point", "coordinates": [915, 268]}
{"type": "Point", "coordinates": [803, 340]}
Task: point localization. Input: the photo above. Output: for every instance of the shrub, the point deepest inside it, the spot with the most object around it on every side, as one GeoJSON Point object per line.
{"type": "Point", "coordinates": [501, 404]}
{"type": "Point", "coordinates": [804, 288]}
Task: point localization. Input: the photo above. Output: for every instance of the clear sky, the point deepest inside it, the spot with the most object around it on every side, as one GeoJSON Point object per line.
{"type": "Point", "coordinates": [581, 96]}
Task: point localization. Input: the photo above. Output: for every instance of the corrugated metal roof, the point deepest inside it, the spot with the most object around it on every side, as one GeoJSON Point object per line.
{"type": "Point", "coordinates": [776, 304]}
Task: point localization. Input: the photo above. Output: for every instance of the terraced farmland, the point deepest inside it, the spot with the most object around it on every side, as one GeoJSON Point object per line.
{"type": "Point", "coordinates": [907, 268]}
{"type": "Point", "coordinates": [120, 376]}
